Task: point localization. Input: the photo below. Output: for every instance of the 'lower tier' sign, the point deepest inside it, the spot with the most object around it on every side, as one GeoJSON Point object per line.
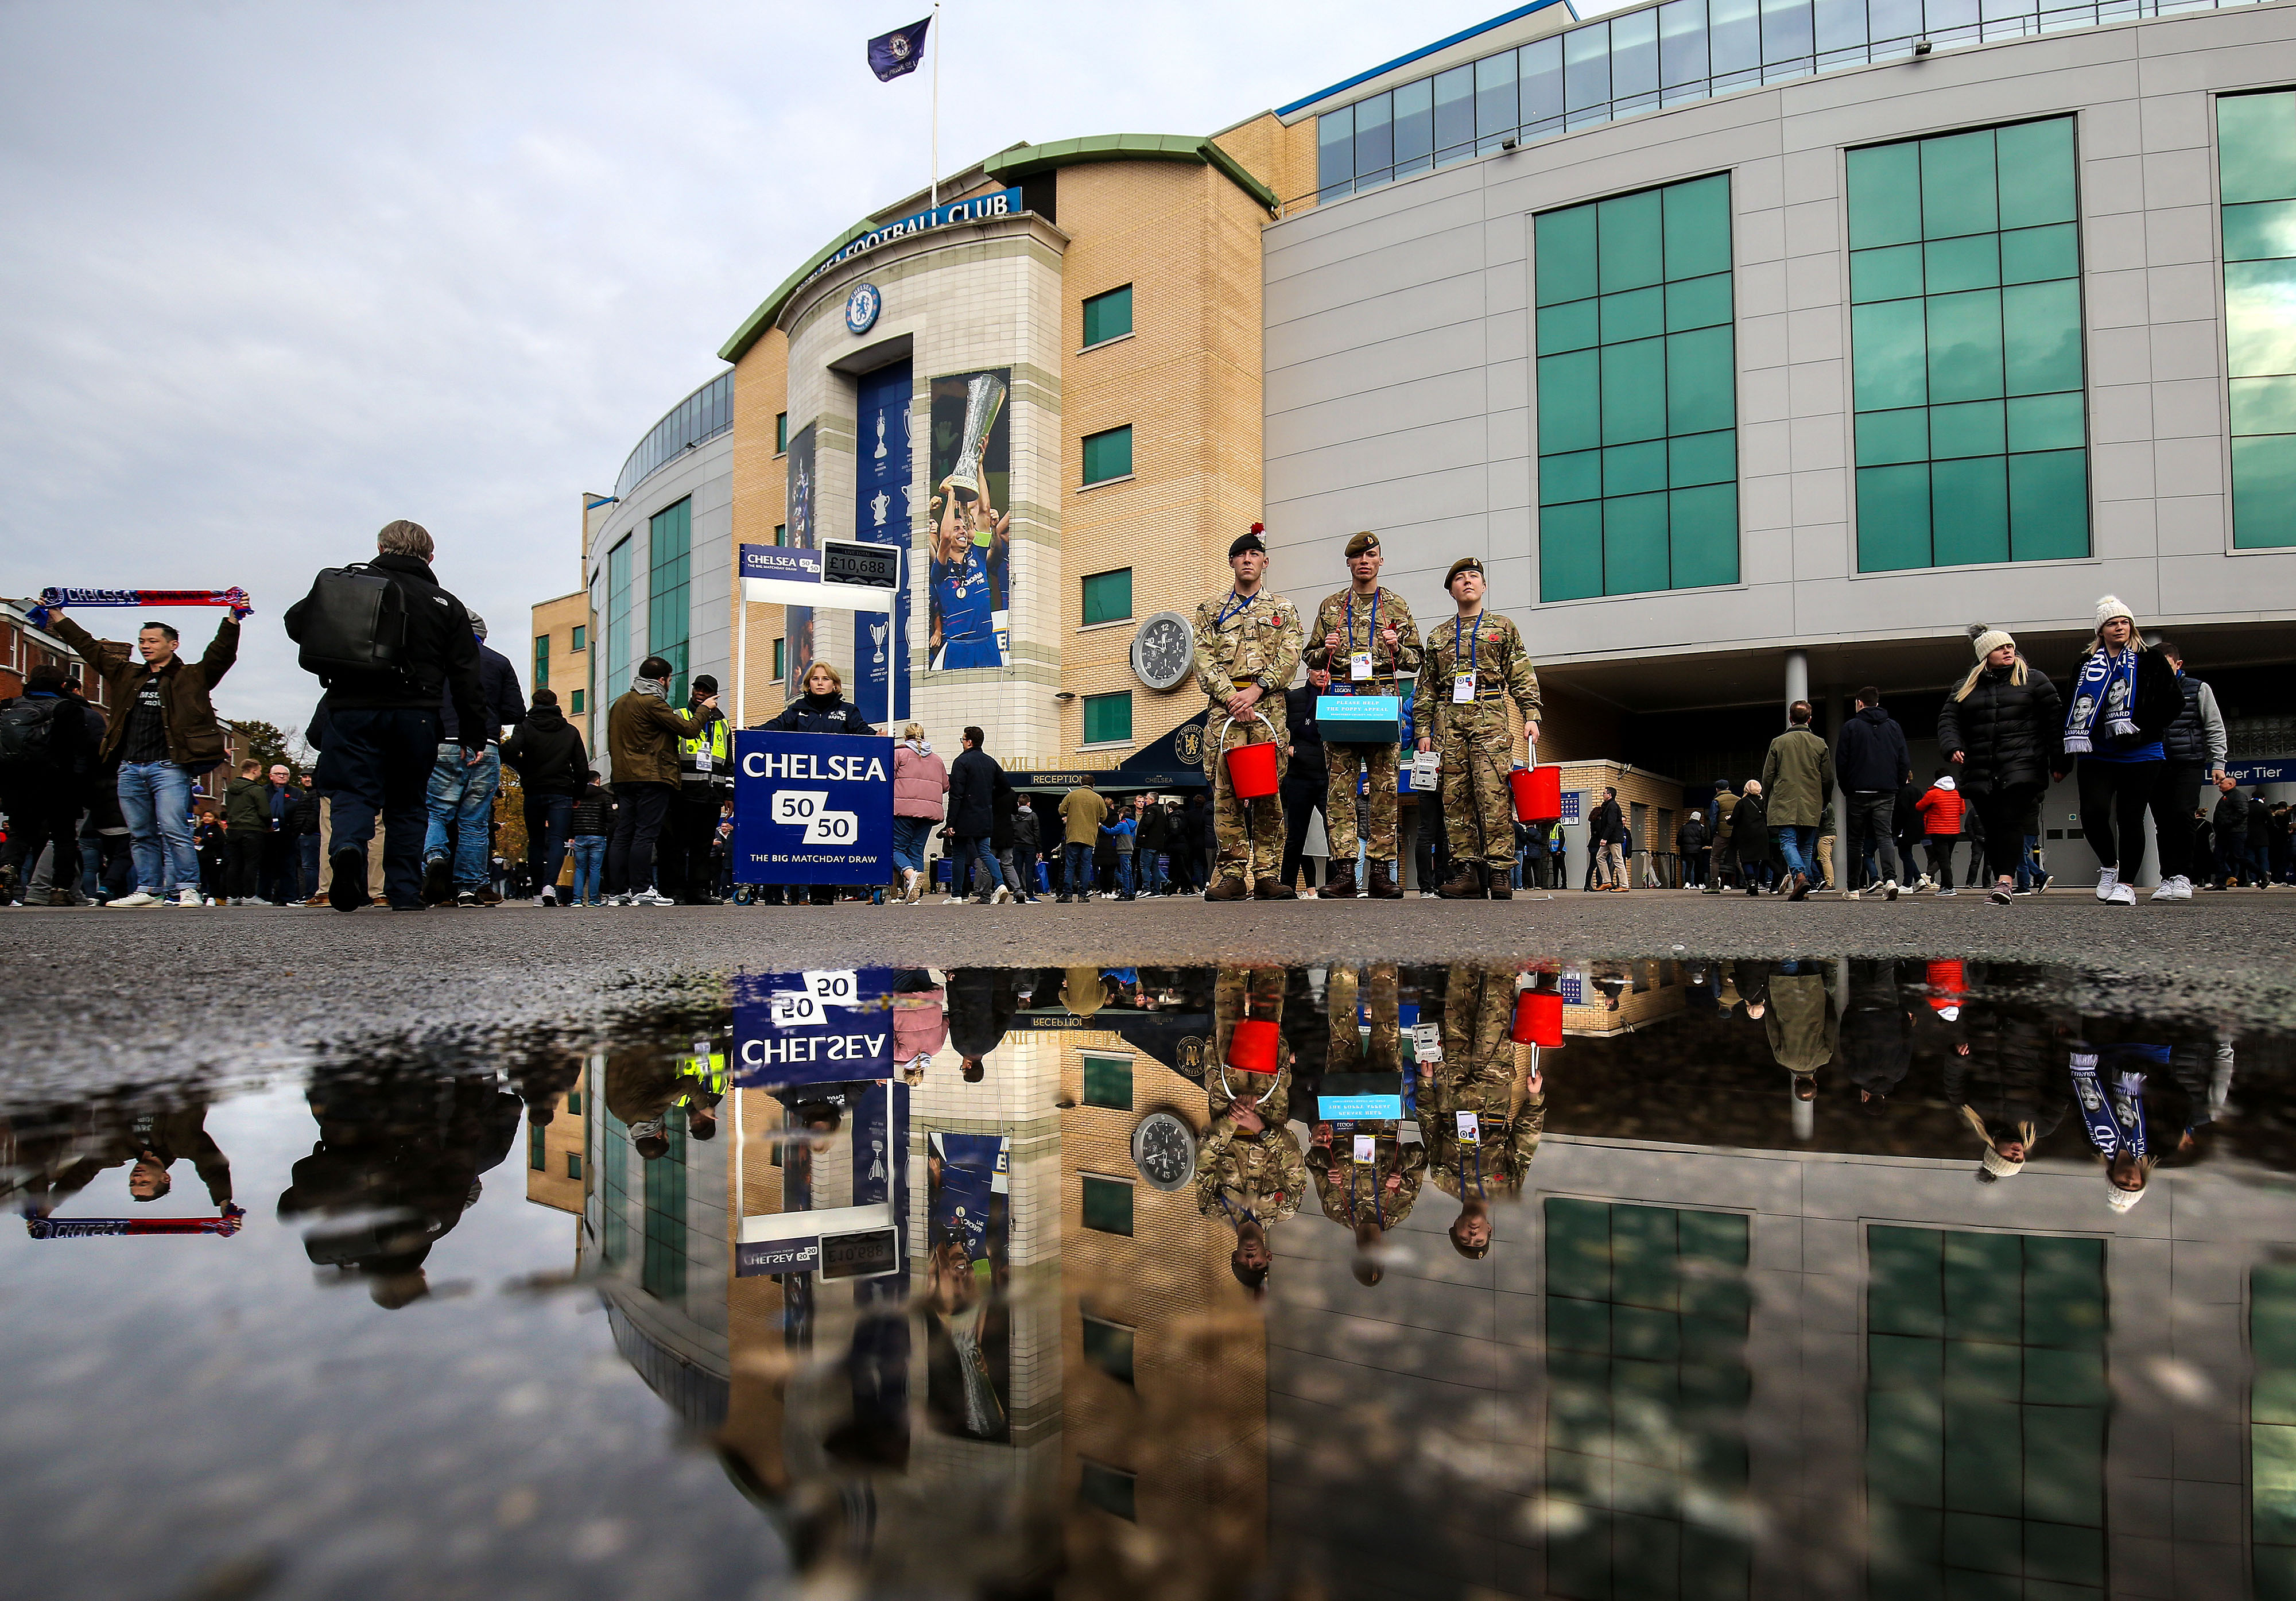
{"type": "Point", "coordinates": [812, 808]}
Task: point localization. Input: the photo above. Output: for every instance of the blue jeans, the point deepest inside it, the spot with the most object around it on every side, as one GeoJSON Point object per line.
{"type": "Point", "coordinates": [155, 798]}
{"type": "Point", "coordinates": [909, 837]}
{"type": "Point", "coordinates": [969, 849]}
{"type": "Point", "coordinates": [307, 863]}
{"type": "Point", "coordinates": [1076, 870]}
{"type": "Point", "coordinates": [589, 865]}
{"type": "Point", "coordinates": [463, 792]}
{"type": "Point", "coordinates": [375, 764]}
{"type": "Point", "coordinates": [1796, 842]}
{"type": "Point", "coordinates": [1124, 873]}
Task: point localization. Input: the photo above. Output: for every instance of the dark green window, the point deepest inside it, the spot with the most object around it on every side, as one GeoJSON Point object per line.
{"type": "Point", "coordinates": [1965, 335]}
{"type": "Point", "coordinates": [1109, 1489]}
{"type": "Point", "coordinates": [536, 1156]}
{"type": "Point", "coordinates": [1108, 317]}
{"type": "Point", "coordinates": [619, 659]}
{"type": "Point", "coordinates": [781, 435]}
{"type": "Point", "coordinates": [669, 592]}
{"type": "Point", "coordinates": [1108, 597]}
{"type": "Point", "coordinates": [1985, 1414]}
{"type": "Point", "coordinates": [577, 709]}
{"type": "Point", "coordinates": [1646, 1315]}
{"type": "Point", "coordinates": [573, 1164]}
{"type": "Point", "coordinates": [2256, 167]}
{"type": "Point", "coordinates": [780, 646]}
{"type": "Point", "coordinates": [574, 1098]}
{"type": "Point", "coordinates": [662, 1270]}
{"type": "Point", "coordinates": [1108, 718]}
{"type": "Point", "coordinates": [581, 638]}
{"type": "Point", "coordinates": [1637, 394]}
{"type": "Point", "coordinates": [542, 661]}
{"type": "Point", "coordinates": [1107, 1204]}
{"type": "Point", "coordinates": [2271, 1429]}
{"type": "Point", "coordinates": [1108, 456]}
{"type": "Point", "coordinates": [1108, 1082]}
{"type": "Point", "coordinates": [780, 533]}
{"type": "Point", "coordinates": [1108, 1346]}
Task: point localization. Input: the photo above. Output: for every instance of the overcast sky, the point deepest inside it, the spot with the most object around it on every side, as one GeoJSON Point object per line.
{"type": "Point", "coordinates": [276, 274]}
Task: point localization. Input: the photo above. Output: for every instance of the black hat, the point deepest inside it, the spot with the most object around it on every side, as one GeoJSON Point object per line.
{"type": "Point", "coordinates": [1250, 541]}
{"type": "Point", "coordinates": [705, 684]}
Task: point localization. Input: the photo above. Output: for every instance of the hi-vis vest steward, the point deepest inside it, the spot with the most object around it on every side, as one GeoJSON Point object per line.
{"type": "Point", "coordinates": [708, 758]}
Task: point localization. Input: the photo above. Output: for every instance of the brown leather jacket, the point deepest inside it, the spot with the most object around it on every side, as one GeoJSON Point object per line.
{"type": "Point", "coordinates": [195, 737]}
{"type": "Point", "coordinates": [641, 735]}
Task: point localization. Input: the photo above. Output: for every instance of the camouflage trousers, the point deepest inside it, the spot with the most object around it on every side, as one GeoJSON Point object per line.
{"type": "Point", "coordinates": [1341, 763]}
{"type": "Point", "coordinates": [1383, 1010]}
{"type": "Point", "coordinates": [1247, 835]}
{"type": "Point", "coordinates": [1239, 992]}
{"type": "Point", "coordinates": [1477, 812]}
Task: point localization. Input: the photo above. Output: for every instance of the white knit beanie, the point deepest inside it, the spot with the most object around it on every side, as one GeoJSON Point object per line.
{"type": "Point", "coordinates": [2121, 1199]}
{"type": "Point", "coordinates": [2111, 607]}
{"type": "Point", "coordinates": [2000, 1165]}
{"type": "Point", "coordinates": [1989, 640]}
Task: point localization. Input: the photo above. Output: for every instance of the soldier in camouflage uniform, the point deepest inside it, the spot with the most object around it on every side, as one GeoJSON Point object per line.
{"type": "Point", "coordinates": [1247, 647]}
{"type": "Point", "coordinates": [1250, 1170]}
{"type": "Point", "coordinates": [1470, 665]}
{"type": "Point", "coordinates": [1369, 627]}
{"type": "Point", "coordinates": [1484, 1105]}
{"type": "Point", "coordinates": [1366, 1197]}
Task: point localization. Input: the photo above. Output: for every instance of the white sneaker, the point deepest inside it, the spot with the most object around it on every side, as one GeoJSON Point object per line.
{"type": "Point", "coordinates": [2108, 880]}
{"type": "Point", "coordinates": [2123, 895]}
{"type": "Point", "coordinates": [1003, 895]}
{"type": "Point", "coordinates": [1949, 889]}
{"type": "Point", "coordinates": [1889, 890]}
{"type": "Point", "coordinates": [2172, 888]}
{"type": "Point", "coordinates": [184, 897]}
{"type": "Point", "coordinates": [651, 898]}
{"type": "Point", "coordinates": [1850, 895]}
{"type": "Point", "coordinates": [954, 900]}
{"type": "Point", "coordinates": [142, 897]}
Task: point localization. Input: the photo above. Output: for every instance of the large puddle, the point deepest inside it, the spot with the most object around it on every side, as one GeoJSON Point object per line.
{"type": "Point", "coordinates": [1608, 1280]}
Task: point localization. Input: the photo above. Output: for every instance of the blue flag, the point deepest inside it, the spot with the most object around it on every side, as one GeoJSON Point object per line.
{"type": "Point", "coordinates": [890, 54]}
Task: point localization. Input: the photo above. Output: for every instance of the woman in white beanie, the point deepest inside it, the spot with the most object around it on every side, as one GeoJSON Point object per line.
{"type": "Point", "coordinates": [2003, 730]}
{"type": "Point", "coordinates": [2124, 697]}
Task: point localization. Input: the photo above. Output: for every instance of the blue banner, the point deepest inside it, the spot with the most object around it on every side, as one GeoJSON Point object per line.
{"type": "Point", "coordinates": [812, 808]}
{"type": "Point", "coordinates": [823, 1026]}
{"type": "Point", "coordinates": [882, 516]}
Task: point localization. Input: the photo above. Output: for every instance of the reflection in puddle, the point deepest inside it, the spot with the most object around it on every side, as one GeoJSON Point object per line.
{"type": "Point", "coordinates": [1627, 1279]}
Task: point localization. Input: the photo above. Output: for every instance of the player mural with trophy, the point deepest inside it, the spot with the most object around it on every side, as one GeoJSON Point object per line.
{"type": "Point", "coordinates": [969, 594]}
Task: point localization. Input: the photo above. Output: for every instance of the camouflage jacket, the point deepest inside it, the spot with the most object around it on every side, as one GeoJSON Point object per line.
{"type": "Point", "coordinates": [1238, 640]}
{"type": "Point", "coordinates": [1382, 1191]}
{"type": "Point", "coordinates": [1386, 607]}
{"type": "Point", "coordinates": [1493, 647]}
{"type": "Point", "coordinates": [1261, 1174]}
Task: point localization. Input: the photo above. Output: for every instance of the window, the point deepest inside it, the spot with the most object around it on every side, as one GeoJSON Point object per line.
{"type": "Point", "coordinates": [1646, 1319]}
{"type": "Point", "coordinates": [573, 1164]}
{"type": "Point", "coordinates": [1109, 1489]}
{"type": "Point", "coordinates": [2256, 168]}
{"type": "Point", "coordinates": [1108, 718]}
{"type": "Point", "coordinates": [581, 638]}
{"type": "Point", "coordinates": [1965, 358]}
{"type": "Point", "coordinates": [1108, 597]}
{"type": "Point", "coordinates": [1108, 317]}
{"type": "Point", "coordinates": [542, 661]}
{"type": "Point", "coordinates": [618, 565]}
{"type": "Point", "coordinates": [781, 433]}
{"type": "Point", "coordinates": [669, 550]}
{"type": "Point", "coordinates": [1107, 1204]}
{"type": "Point", "coordinates": [779, 666]}
{"type": "Point", "coordinates": [1108, 1346]}
{"type": "Point", "coordinates": [575, 708]}
{"type": "Point", "coordinates": [574, 1102]}
{"type": "Point", "coordinates": [1637, 394]}
{"type": "Point", "coordinates": [703, 415]}
{"type": "Point", "coordinates": [780, 533]}
{"type": "Point", "coordinates": [536, 1156]}
{"type": "Point", "coordinates": [1108, 456]}
{"type": "Point", "coordinates": [1108, 1081]}
{"type": "Point", "coordinates": [2272, 1427]}
{"type": "Point", "coordinates": [1985, 1409]}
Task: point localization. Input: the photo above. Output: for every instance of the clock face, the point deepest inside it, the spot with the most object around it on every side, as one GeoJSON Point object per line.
{"type": "Point", "coordinates": [1164, 1150]}
{"type": "Point", "coordinates": [1163, 650]}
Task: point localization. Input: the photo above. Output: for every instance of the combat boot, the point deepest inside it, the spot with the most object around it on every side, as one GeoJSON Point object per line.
{"type": "Point", "coordinates": [1339, 883]}
{"type": "Point", "coordinates": [1466, 883]}
{"type": "Point", "coordinates": [1229, 888]}
{"type": "Point", "coordinates": [1501, 882]}
{"type": "Point", "coordinates": [1269, 889]}
{"type": "Point", "coordinates": [1383, 886]}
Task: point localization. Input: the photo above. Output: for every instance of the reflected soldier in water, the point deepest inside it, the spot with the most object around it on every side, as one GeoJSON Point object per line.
{"type": "Point", "coordinates": [1251, 1170]}
{"type": "Point", "coordinates": [1365, 1177]}
{"type": "Point", "coordinates": [401, 1148]}
{"type": "Point", "coordinates": [1484, 1104]}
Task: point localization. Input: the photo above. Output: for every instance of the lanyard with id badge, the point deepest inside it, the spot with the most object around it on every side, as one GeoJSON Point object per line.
{"type": "Point", "coordinates": [1359, 669]}
{"type": "Point", "coordinates": [1463, 684]}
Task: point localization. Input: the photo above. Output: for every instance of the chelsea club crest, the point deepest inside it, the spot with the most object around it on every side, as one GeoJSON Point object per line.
{"type": "Point", "coordinates": [862, 307]}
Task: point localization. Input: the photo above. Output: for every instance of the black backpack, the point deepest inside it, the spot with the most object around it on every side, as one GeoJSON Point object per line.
{"type": "Point", "coordinates": [27, 734]}
{"type": "Point", "coordinates": [354, 622]}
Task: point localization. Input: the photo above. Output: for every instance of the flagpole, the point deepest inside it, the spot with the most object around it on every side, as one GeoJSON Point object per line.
{"type": "Point", "coordinates": [935, 48]}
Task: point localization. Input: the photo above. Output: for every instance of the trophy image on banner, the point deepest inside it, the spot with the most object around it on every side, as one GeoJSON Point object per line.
{"type": "Point", "coordinates": [969, 611]}
{"type": "Point", "coordinates": [877, 632]}
{"type": "Point", "coordinates": [984, 397]}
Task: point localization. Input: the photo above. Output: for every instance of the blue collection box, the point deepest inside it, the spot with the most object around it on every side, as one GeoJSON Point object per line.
{"type": "Point", "coordinates": [1360, 720]}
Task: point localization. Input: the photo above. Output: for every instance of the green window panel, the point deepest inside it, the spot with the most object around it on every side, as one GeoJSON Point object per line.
{"type": "Point", "coordinates": [1108, 1082]}
{"type": "Point", "coordinates": [1986, 1401]}
{"type": "Point", "coordinates": [1108, 1346]}
{"type": "Point", "coordinates": [1108, 718]}
{"type": "Point", "coordinates": [1108, 317]}
{"type": "Point", "coordinates": [1108, 455]}
{"type": "Point", "coordinates": [669, 556]}
{"type": "Point", "coordinates": [1966, 369]}
{"type": "Point", "coordinates": [581, 638]}
{"type": "Point", "coordinates": [542, 661]}
{"type": "Point", "coordinates": [1107, 1204]}
{"type": "Point", "coordinates": [781, 433]}
{"type": "Point", "coordinates": [537, 1157]}
{"type": "Point", "coordinates": [2256, 166]}
{"type": "Point", "coordinates": [1108, 597]}
{"type": "Point", "coordinates": [1646, 1311]}
{"type": "Point", "coordinates": [619, 565]}
{"type": "Point", "coordinates": [2272, 1431]}
{"type": "Point", "coordinates": [1638, 393]}
{"type": "Point", "coordinates": [573, 1164]}
{"type": "Point", "coordinates": [575, 710]}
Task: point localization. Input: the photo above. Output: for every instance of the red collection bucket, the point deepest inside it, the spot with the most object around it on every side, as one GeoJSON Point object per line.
{"type": "Point", "coordinates": [1250, 768]}
{"type": "Point", "coordinates": [1539, 1018]}
{"type": "Point", "coordinates": [1537, 794]}
{"type": "Point", "coordinates": [1251, 1047]}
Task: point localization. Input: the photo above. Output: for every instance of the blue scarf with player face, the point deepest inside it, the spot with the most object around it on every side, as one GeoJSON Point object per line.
{"type": "Point", "coordinates": [2105, 692]}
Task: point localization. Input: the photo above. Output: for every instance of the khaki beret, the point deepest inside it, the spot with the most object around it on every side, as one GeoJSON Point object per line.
{"type": "Point", "coordinates": [1362, 542]}
{"type": "Point", "coordinates": [1463, 564]}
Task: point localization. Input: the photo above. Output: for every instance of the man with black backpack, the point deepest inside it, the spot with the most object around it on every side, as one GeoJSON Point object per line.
{"type": "Point", "coordinates": [386, 649]}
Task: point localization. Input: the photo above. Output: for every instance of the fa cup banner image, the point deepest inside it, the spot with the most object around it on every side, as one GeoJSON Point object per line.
{"type": "Point", "coordinates": [970, 595]}
{"type": "Point", "coordinates": [812, 808]}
